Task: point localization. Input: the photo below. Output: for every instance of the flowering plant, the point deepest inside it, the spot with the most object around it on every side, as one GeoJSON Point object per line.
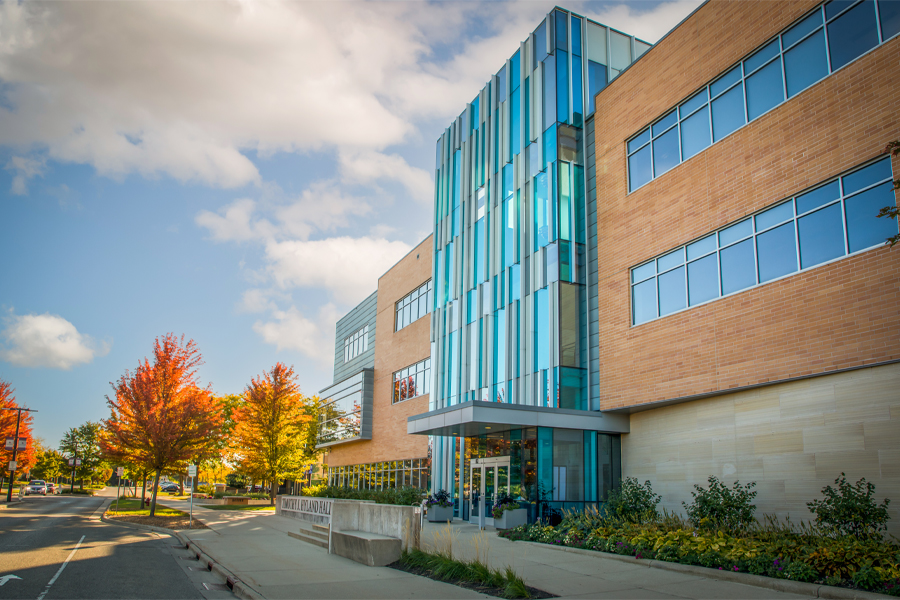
{"type": "Point", "coordinates": [440, 498]}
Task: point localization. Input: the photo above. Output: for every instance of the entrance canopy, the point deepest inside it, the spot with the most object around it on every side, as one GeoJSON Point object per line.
{"type": "Point", "coordinates": [478, 418]}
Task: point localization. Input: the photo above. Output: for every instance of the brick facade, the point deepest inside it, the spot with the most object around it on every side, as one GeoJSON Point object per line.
{"type": "Point", "coordinates": [394, 350]}
{"type": "Point", "coordinates": [838, 315]}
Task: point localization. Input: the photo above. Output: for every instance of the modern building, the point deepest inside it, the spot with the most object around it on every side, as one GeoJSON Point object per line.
{"type": "Point", "coordinates": [665, 262]}
{"type": "Point", "coordinates": [382, 375]}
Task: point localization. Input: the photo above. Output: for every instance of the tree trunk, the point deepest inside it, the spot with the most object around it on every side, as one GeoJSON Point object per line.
{"type": "Point", "coordinates": [153, 496]}
{"type": "Point", "coordinates": [272, 485]}
{"type": "Point", "coordinates": [181, 486]}
{"type": "Point", "coordinates": [143, 489]}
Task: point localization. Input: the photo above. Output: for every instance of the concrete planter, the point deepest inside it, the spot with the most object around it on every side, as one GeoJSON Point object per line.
{"type": "Point", "coordinates": [439, 514]}
{"type": "Point", "coordinates": [512, 518]}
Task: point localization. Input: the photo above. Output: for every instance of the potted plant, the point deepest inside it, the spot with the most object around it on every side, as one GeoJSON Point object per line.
{"type": "Point", "coordinates": [440, 507]}
{"type": "Point", "coordinates": [507, 513]}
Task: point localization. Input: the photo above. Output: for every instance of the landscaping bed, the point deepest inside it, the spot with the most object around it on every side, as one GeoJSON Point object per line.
{"type": "Point", "coordinates": [402, 496]}
{"type": "Point", "coordinates": [131, 511]}
{"type": "Point", "coordinates": [239, 507]}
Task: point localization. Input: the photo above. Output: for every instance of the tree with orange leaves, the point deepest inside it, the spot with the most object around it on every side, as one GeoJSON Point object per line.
{"type": "Point", "coordinates": [26, 458]}
{"type": "Point", "coordinates": [269, 435]}
{"type": "Point", "coordinates": [160, 416]}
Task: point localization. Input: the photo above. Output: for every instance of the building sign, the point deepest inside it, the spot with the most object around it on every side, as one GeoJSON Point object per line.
{"type": "Point", "coordinates": [317, 510]}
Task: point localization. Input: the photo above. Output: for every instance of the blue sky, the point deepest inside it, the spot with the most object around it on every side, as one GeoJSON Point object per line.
{"type": "Point", "coordinates": [237, 172]}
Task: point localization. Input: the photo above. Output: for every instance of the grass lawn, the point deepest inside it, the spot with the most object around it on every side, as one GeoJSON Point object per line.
{"type": "Point", "coordinates": [132, 507]}
{"type": "Point", "coordinates": [237, 507]}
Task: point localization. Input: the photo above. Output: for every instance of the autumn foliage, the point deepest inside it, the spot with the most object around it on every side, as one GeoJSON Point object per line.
{"type": "Point", "coordinates": [25, 459]}
{"type": "Point", "coordinates": [160, 417]}
{"type": "Point", "coordinates": [269, 438]}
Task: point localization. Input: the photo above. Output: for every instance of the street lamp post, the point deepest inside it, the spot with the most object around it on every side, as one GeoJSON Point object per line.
{"type": "Point", "coordinates": [74, 465]}
{"type": "Point", "coordinates": [12, 473]}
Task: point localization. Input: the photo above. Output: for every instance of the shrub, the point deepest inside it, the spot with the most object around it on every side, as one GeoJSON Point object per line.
{"type": "Point", "coordinates": [720, 507]}
{"type": "Point", "coordinates": [632, 502]}
{"type": "Point", "coordinates": [712, 559]}
{"type": "Point", "coordinates": [668, 554]}
{"type": "Point", "coordinates": [405, 496]}
{"type": "Point", "coordinates": [867, 578]}
{"type": "Point", "coordinates": [850, 509]}
{"type": "Point", "coordinates": [799, 571]}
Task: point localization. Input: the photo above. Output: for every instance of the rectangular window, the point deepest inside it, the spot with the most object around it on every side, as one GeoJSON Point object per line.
{"type": "Point", "coordinates": [413, 381]}
{"type": "Point", "coordinates": [413, 306]}
{"type": "Point", "coordinates": [809, 228]}
{"type": "Point", "coordinates": [832, 36]}
{"type": "Point", "coordinates": [356, 344]}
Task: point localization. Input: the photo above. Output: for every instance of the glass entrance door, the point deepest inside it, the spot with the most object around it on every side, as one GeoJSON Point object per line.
{"type": "Point", "coordinates": [489, 478]}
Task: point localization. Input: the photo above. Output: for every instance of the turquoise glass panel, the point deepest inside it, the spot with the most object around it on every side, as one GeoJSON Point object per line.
{"type": "Point", "coordinates": [590, 466]}
{"type": "Point", "coordinates": [509, 184]}
{"type": "Point", "coordinates": [514, 71]}
{"type": "Point", "coordinates": [576, 36]}
{"type": "Point", "coordinates": [528, 110]}
{"type": "Point", "coordinates": [562, 86]}
{"type": "Point", "coordinates": [562, 40]}
{"type": "Point", "coordinates": [565, 202]}
{"type": "Point", "coordinates": [501, 85]}
{"type": "Point", "coordinates": [515, 122]}
{"type": "Point", "coordinates": [514, 283]}
{"type": "Point", "coordinates": [500, 346]}
{"type": "Point", "coordinates": [479, 251]}
{"type": "Point", "coordinates": [549, 147]}
{"type": "Point", "coordinates": [597, 80]}
{"type": "Point", "coordinates": [541, 211]}
{"type": "Point", "coordinates": [457, 162]}
{"type": "Point", "coordinates": [544, 465]}
{"type": "Point", "coordinates": [541, 329]}
{"type": "Point", "coordinates": [549, 91]}
{"type": "Point", "coordinates": [577, 92]}
{"type": "Point", "coordinates": [572, 383]}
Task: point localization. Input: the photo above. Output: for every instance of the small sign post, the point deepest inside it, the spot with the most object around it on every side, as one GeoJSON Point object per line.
{"type": "Point", "coordinates": [192, 472]}
{"type": "Point", "coordinates": [119, 472]}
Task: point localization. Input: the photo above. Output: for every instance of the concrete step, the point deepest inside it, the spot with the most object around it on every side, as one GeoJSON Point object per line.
{"type": "Point", "coordinates": [305, 535]}
{"type": "Point", "coordinates": [321, 528]}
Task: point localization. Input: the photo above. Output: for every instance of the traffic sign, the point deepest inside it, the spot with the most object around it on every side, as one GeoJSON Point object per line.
{"type": "Point", "coordinates": [120, 471]}
{"type": "Point", "coordinates": [192, 470]}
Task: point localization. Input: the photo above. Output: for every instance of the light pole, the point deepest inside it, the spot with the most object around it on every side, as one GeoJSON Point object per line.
{"type": "Point", "coordinates": [74, 465]}
{"type": "Point", "coordinates": [12, 473]}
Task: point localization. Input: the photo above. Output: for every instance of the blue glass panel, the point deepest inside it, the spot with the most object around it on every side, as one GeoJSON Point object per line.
{"type": "Point", "coordinates": [562, 86]}
{"type": "Point", "coordinates": [889, 15]}
{"type": "Point", "coordinates": [597, 75]}
{"type": "Point", "coordinates": [738, 267]}
{"type": "Point", "coordinates": [514, 71]}
{"type": "Point", "coordinates": [479, 251]}
{"type": "Point", "coordinates": [540, 42]}
{"type": "Point", "coordinates": [541, 211]}
{"type": "Point", "coordinates": [527, 116]}
{"type": "Point", "coordinates": [805, 64]}
{"type": "Point", "coordinates": [725, 81]}
{"type": "Point", "coordinates": [672, 259]}
{"type": "Point", "coordinates": [695, 135]}
{"type": "Point", "coordinates": [549, 146]}
{"type": "Point", "coordinates": [643, 298]}
{"type": "Point", "coordinates": [457, 162]}
{"type": "Point", "coordinates": [576, 36]}
{"type": "Point", "coordinates": [552, 265]}
{"type": "Point", "coordinates": [761, 57]}
{"type": "Point", "coordinates": [471, 306]}
{"type": "Point", "coordinates": [765, 89]}
{"type": "Point", "coordinates": [664, 123]}
{"type": "Point", "coordinates": [818, 197]}
{"type": "Point", "coordinates": [541, 330]}
{"type": "Point", "coordinates": [514, 283]}
{"type": "Point", "coordinates": [864, 229]}
{"type": "Point", "coordinates": [562, 40]}
{"type": "Point", "coordinates": [509, 231]}
{"type": "Point", "coordinates": [672, 294]}
{"type": "Point", "coordinates": [643, 272]}
{"type": "Point", "coordinates": [665, 152]}
{"type": "Point", "coordinates": [577, 92]}
{"type": "Point", "coordinates": [867, 176]}
{"type": "Point", "coordinates": [549, 92]}
{"type": "Point", "coordinates": [703, 280]}
{"type": "Point", "coordinates": [639, 169]}
{"type": "Point", "coordinates": [455, 222]}
{"type": "Point", "coordinates": [500, 345]}
{"type": "Point", "coordinates": [474, 113]}
{"type": "Point", "coordinates": [533, 159]}
{"type": "Point", "coordinates": [701, 247]}
{"type": "Point", "coordinates": [639, 140]}
{"type": "Point", "coordinates": [852, 34]}
{"type": "Point", "coordinates": [836, 6]}
{"type": "Point", "coordinates": [821, 236]}
{"type": "Point", "coordinates": [798, 31]}
{"type": "Point", "coordinates": [501, 85]}
{"type": "Point", "coordinates": [694, 103]}
{"type": "Point", "coordinates": [515, 132]}
{"type": "Point", "coordinates": [728, 112]}
{"type": "Point", "coordinates": [776, 251]}
{"type": "Point", "coordinates": [774, 216]}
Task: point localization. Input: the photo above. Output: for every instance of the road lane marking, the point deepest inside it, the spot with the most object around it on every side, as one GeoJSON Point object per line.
{"type": "Point", "coordinates": [6, 578]}
{"type": "Point", "coordinates": [58, 573]}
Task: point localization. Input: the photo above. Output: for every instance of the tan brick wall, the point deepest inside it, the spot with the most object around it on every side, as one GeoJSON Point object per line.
{"type": "Point", "coordinates": [792, 439]}
{"type": "Point", "coordinates": [394, 350]}
{"type": "Point", "coordinates": [843, 314]}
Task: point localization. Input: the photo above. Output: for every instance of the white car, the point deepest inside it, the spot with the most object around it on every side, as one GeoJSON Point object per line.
{"type": "Point", "coordinates": [37, 486]}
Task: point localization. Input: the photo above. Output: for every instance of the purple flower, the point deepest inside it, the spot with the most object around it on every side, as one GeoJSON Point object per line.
{"type": "Point", "coordinates": [720, 568]}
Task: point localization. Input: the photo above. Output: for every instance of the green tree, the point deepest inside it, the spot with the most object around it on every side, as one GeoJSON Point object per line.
{"type": "Point", "coordinates": [50, 465]}
{"type": "Point", "coordinates": [86, 439]}
{"type": "Point", "coordinates": [892, 212]}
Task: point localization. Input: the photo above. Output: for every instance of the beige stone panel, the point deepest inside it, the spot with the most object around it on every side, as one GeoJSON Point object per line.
{"type": "Point", "coordinates": [882, 435]}
{"type": "Point", "coordinates": [716, 414]}
{"type": "Point", "coordinates": [834, 438]}
{"type": "Point", "coordinates": [859, 410]}
{"type": "Point", "coordinates": [856, 464]}
{"type": "Point", "coordinates": [808, 401]}
{"type": "Point", "coordinates": [778, 443]}
{"type": "Point", "coordinates": [758, 416]}
{"type": "Point", "coordinates": [750, 468]}
{"type": "Point", "coordinates": [889, 461]}
{"type": "Point", "coordinates": [789, 466]}
{"type": "Point", "coordinates": [671, 471]}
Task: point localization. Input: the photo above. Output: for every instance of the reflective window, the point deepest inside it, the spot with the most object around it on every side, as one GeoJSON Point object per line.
{"type": "Point", "coordinates": [816, 45]}
{"type": "Point", "coordinates": [766, 246]}
{"type": "Point", "coordinates": [413, 306]}
{"type": "Point", "coordinates": [356, 344]}
{"type": "Point", "coordinates": [413, 381]}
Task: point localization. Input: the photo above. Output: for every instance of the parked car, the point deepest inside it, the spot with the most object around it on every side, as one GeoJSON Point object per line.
{"type": "Point", "coordinates": [168, 486]}
{"type": "Point", "coordinates": [37, 486]}
{"type": "Point", "coordinates": [52, 488]}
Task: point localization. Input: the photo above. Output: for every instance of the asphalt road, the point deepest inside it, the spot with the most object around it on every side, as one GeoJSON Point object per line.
{"type": "Point", "coordinates": [56, 550]}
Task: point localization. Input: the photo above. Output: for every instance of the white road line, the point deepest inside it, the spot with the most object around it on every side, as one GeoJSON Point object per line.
{"type": "Point", "coordinates": [58, 573]}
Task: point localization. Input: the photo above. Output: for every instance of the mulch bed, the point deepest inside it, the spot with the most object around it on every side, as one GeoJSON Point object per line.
{"type": "Point", "coordinates": [481, 589]}
{"type": "Point", "coordinates": [166, 522]}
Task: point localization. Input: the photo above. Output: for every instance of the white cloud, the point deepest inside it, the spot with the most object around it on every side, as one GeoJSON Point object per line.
{"type": "Point", "coordinates": [346, 267]}
{"type": "Point", "coordinates": [24, 168]}
{"type": "Point", "coordinates": [47, 341]}
{"type": "Point", "coordinates": [369, 166]}
{"type": "Point", "coordinates": [290, 330]}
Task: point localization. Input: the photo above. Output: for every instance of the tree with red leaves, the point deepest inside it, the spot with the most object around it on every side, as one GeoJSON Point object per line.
{"type": "Point", "coordinates": [24, 458]}
{"type": "Point", "coordinates": [160, 416]}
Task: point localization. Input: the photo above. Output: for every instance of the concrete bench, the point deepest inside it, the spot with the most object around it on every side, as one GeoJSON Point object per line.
{"type": "Point", "coordinates": [371, 549]}
{"type": "Point", "coordinates": [243, 500]}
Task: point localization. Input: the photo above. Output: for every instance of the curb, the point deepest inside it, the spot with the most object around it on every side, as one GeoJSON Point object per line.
{"type": "Point", "coordinates": [780, 585]}
{"type": "Point", "coordinates": [240, 589]}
